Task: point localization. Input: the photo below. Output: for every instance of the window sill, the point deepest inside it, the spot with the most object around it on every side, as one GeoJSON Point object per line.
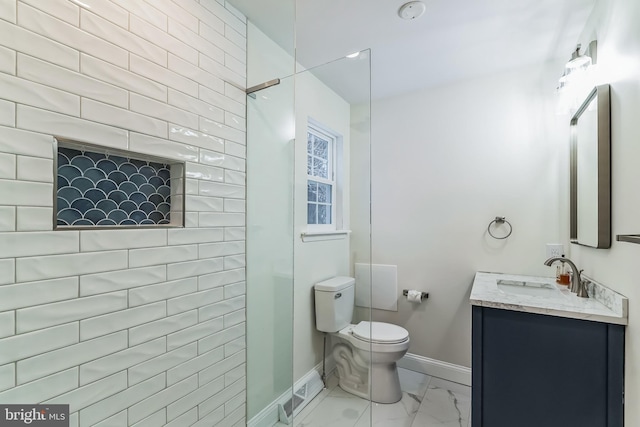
{"type": "Point", "coordinates": [317, 236]}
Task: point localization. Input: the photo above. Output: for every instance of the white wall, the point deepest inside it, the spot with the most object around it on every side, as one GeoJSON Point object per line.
{"type": "Point", "coordinates": [359, 202]}
{"type": "Point", "coordinates": [445, 162]}
{"type": "Point", "coordinates": [615, 25]}
{"type": "Point", "coordinates": [164, 308]}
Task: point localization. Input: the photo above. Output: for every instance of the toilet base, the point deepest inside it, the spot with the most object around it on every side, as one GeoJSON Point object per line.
{"type": "Point", "coordinates": [380, 384]}
{"type": "Point", "coordinates": [385, 383]}
{"type": "Point", "coordinates": [353, 372]}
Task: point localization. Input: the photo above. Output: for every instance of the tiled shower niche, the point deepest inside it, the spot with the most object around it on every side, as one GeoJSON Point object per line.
{"type": "Point", "coordinates": [102, 187]}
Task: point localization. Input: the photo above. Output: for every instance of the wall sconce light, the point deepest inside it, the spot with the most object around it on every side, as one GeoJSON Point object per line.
{"type": "Point", "coordinates": [576, 81]}
{"type": "Point", "coordinates": [578, 62]}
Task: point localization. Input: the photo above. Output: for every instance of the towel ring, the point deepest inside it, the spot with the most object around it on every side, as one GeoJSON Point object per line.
{"type": "Point", "coordinates": [499, 220]}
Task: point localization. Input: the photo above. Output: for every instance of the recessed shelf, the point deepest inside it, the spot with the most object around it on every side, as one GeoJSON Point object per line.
{"type": "Point", "coordinates": [101, 187]}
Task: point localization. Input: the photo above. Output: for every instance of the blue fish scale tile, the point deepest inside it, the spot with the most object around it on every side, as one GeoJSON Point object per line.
{"type": "Point", "coordinates": [97, 189]}
{"type": "Point", "coordinates": [94, 174]}
{"type": "Point", "coordinates": [107, 166]}
{"type": "Point", "coordinates": [62, 159]}
{"type": "Point", "coordinates": [69, 172]}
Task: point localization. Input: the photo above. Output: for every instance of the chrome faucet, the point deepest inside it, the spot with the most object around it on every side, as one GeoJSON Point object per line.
{"type": "Point", "coordinates": [577, 285]}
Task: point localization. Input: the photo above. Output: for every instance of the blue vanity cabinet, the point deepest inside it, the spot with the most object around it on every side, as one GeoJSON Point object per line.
{"type": "Point", "coordinates": [534, 370]}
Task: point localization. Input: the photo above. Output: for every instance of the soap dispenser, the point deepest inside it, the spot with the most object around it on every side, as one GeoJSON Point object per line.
{"type": "Point", "coordinates": [564, 278]}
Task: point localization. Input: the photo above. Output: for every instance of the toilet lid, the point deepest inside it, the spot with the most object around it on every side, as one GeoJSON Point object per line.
{"type": "Point", "coordinates": [379, 332]}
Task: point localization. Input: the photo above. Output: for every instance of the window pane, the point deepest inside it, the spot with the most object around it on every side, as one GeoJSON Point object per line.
{"type": "Point", "coordinates": [310, 139]}
{"type": "Point", "coordinates": [309, 165]}
{"type": "Point", "coordinates": [311, 214]}
{"type": "Point", "coordinates": [324, 193]}
{"type": "Point", "coordinates": [312, 191]}
{"type": "Point", "coordinates": [324, 214]}
{"type": "Point", "coordinates": [320, 168]}
{"type": "Point", "coordinates": [321, 148]}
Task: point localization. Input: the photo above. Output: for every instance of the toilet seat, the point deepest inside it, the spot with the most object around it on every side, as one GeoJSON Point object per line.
{"type": "Point", "coordinates": [380, 333]}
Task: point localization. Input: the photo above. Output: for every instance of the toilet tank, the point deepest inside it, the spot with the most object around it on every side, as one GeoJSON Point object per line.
{"type": "Point", "coordinates": [334, 303]}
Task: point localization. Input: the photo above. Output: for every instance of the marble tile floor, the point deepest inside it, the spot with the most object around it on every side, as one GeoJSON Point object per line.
{"type": "Point", "coordinates": [426, 402]}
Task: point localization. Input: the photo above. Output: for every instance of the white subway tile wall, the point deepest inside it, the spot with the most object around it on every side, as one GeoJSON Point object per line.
{"type": "Point", "coordinates": [7, 113]}
{"type": "Point", "coordinates": [128, 327]}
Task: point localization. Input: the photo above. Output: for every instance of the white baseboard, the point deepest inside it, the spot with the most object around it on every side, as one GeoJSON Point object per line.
{"type": "Point", "coordinates": [269, 415]}
{"type": "Point", "coordinates": [436, 368]}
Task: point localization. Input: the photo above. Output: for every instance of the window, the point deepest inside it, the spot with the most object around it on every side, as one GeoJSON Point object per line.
{"type": "Point", "coordinates": [321, 178]}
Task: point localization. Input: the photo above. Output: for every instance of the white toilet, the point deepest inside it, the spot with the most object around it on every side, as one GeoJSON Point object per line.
{"type": "Point", "coordinates": [357, 347]}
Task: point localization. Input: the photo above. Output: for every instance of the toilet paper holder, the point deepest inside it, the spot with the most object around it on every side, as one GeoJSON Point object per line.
{"type": "Point", "coordinates": [423, 295]}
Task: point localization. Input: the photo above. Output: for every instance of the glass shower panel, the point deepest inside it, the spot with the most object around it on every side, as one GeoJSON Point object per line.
{"type": "Point", "coordinates": [333, 99]}
{"type": "Point", "coordinates": [270, 148]}
{"type": "Point", "coordinates": [270, 44]}
{"type": "Point", "coordinates": [360, 205]}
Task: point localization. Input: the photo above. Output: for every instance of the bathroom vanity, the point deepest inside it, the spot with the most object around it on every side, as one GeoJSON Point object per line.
{"type": "Point", "coordinates": [543, 356]}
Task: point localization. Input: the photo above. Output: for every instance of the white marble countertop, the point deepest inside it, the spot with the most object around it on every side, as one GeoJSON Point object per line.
{"type": "Point", "coordinates": [603, 304]}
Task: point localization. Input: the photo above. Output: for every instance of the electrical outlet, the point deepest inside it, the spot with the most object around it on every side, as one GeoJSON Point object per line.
{"type": "Point", "coordinates": [555, 250]}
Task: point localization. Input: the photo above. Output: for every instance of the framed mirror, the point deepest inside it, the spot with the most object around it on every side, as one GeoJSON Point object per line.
{"type": "Point", "coordinates": [590, 205]}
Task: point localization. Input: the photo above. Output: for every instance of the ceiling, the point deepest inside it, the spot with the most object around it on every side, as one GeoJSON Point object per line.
{"type": "Point", "coordinates": [453, 40]}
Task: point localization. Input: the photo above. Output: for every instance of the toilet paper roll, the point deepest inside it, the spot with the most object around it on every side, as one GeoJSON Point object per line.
{"type": "Point", "coordinates": [414, 296]}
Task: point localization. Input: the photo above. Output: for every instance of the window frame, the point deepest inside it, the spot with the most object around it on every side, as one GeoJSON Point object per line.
{"type": "Point", "coordinates": [319, 131]}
